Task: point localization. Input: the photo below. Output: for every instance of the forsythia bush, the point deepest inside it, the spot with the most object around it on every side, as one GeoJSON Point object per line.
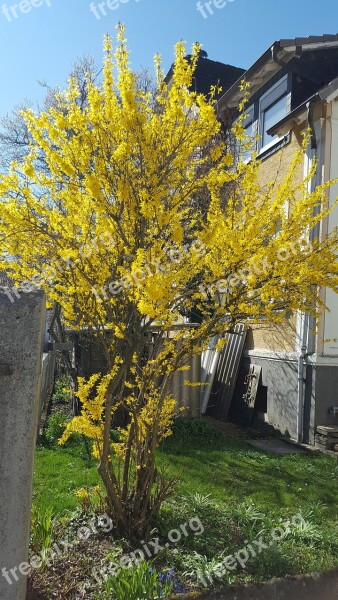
{"type": "Point", "coordinates": [130, 211]}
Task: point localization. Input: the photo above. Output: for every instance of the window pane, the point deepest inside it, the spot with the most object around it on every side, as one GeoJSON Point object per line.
{"type": "Point", "coordinates": [248, 129]}
{"type": "Point", "coordinates": [272, 115]}
{"type": "Point", "coordinates": [246, 154]}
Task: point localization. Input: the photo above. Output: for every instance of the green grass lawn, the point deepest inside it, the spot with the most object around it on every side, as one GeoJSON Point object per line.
{"type": "Point", "coordinates": [206, 462]}
{"type": "Point", "coordinates": [58, 473]}
{"type": "Point", "coordinates": [232, 471]}
{"type": "Point", "coordinates": [237, 492]}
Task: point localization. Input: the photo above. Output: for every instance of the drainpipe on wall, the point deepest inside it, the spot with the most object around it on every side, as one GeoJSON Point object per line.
{"type": "Point", "coordinates": [301, 378]}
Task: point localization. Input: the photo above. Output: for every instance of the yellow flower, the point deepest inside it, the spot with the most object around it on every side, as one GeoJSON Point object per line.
{"type": "Point", "coordinates": [82, 493]}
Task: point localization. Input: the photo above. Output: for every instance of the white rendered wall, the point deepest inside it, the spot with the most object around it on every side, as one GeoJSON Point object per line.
{"type": "Point", "coordinates": [331, 318]}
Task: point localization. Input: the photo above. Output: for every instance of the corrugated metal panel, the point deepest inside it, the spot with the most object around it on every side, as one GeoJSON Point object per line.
{"type": "Point", "coordinates": [226, 374]}
{"type": "Point", "coordinates": [188, 397]}
{"type": "Point", "coordinates": [209, 360]}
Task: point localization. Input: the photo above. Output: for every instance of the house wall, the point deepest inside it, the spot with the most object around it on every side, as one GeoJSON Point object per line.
{"type": "Point", "coordinates": [326, 390]}
{"type": "Point", "coordinates": [275, 347]}
{"type": "Point", "coordinates": [279, 375]}
{"type": "Point", "coordinates": [275, 337]}
{"type": "Point", "coordinates": [265, 336]}
{"type": "Point", "coordinates": [272, 346]}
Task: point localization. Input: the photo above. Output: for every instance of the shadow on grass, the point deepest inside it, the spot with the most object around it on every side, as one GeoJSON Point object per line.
{"type": "Point", "coordinates": [230, 470]}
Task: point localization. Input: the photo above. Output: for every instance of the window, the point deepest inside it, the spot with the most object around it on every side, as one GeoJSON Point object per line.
{"type": "Point", "coordinates": [265, 112]}
{"type": "Point", "coordinates": [272, 115]}
{"type": "Point", "coordinates": [248, 125]}
{"type": "Point", "coordinates": [248, 121]}
{"type": "Point", "coordinates": [273, 106]}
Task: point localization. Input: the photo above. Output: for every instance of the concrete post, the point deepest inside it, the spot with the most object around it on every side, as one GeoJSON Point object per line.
{"type": "Point", "coordinates": [22, 326]}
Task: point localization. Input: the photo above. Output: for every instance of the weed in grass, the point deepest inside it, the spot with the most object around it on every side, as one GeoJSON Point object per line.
{"type": "Point", "coordinates": [203, 570]}
{"type": "Point", "coordinates": [315, 511]}
{"type": "Point", "coordinates": [246, 514]}
{"type": "Point", "coordinates": [200, 500]}
{"type": "Point", "coordinates": [329, 539]}
{"type": "Point", "coordinates": [91, 499]}
{"type": "Point", "coordinates": [305, 531]}
{"type": "Point", "coordinates": [114, 553]}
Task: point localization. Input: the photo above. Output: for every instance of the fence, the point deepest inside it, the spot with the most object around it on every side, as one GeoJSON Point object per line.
{"type": "Point", "coordinates": [215, 371]}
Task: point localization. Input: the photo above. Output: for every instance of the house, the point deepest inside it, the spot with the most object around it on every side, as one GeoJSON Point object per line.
{"type": "Point", "coordinates": [294, 86]}
{"type": "Point", "coordinates": [210, 73]}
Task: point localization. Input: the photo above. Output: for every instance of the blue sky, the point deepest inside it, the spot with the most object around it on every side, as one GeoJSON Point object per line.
{"type": "Point", "coordinates": [42, 42]}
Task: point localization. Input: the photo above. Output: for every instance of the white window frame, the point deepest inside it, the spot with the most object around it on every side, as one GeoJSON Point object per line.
{"type": "Point", "coordinates": [276, 92]}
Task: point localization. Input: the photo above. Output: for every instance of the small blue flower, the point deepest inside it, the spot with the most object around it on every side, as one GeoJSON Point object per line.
{"type": "Point", "coordinates": [170, 576]}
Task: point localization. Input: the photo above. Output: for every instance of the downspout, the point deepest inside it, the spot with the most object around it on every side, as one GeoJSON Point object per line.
{"type": "Point", "coordinates": [274, 55]}
{"type": "Point", "coordinates": [309, 106]}
{"type": "Point", "coordinates": [301, 377]}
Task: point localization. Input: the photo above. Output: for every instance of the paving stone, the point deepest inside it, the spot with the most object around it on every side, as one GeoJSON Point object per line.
{"type": "Point", "coordinates": [276, 446]}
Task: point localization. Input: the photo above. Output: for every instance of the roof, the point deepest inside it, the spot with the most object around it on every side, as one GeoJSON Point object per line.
{"type": "Point", "coordinates": [280, 52]}
{"type": "Point", "coordinates": [311, 39]}
{"type": "Point", "coordinates": [210, 72]}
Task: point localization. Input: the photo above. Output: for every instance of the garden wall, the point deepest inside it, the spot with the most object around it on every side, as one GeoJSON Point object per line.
{"type": "Point", "coordinates": [317, 586]}
{"type": "Point", "coordinates": [22, 327]}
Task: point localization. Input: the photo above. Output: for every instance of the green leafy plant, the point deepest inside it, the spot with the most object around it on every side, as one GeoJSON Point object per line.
{"type": "Point", "coordinates": [142, 582]}
{"type": "Point", "coordinates": [198, 500]}
{"type": "Point", "coordinates": [306, 531]}
{"type": "Point", "coordinates": [61, 395]}
{"type": "Point", "coordinates": [273, 562]}
{"type": "Point", "coordinates": [315, 511]}
{"type": "Point", "coordinates": [247, 514]}
{"type": "Point", "coordinates": [54, 428]}
{"type": "Point", "coordinates": [207, 571]}
{"type": "Point", "coordinates": [42, 524]}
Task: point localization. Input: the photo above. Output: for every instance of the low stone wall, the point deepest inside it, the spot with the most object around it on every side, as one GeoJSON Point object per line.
{"type": "Point", "coordinates": [317, 586]}
{"type": "Point", "coordinates": [22, 326]}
